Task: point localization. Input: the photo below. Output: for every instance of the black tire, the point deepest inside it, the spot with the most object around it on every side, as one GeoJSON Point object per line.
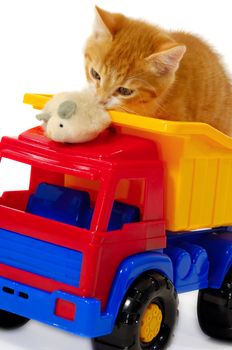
{"type": "Point", "coordinates": [215, 310]}
{"type": "Point", "coordinates": [149, 289]}
{"type": "Point", "coordinates": [9, 320]}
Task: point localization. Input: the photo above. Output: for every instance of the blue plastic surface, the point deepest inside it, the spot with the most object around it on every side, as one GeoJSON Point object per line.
{"type": "Point", "coordinates": [130, 269]}
{"type": "Point", "coordinates": [61, 204]}
{"type": "Point", "coordinates": [40, 305]}
{"type": "Point", "coordinates": [219, 249]}
{"type": "Point", "coordinates": [72, 207]}
{"type": "Point", "coordinates": [42, 258]}
{"type": "Point", "coordinates": [200, 259]}
{"type": "Point", "coordinates": [191, 266]}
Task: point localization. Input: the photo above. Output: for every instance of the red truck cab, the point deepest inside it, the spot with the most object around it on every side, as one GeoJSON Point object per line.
{"type": "Point", "coordinates": [112, 168]}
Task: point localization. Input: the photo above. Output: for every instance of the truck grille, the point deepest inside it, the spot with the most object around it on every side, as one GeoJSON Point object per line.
{"type": "Point", "coordinates": [41, 258]}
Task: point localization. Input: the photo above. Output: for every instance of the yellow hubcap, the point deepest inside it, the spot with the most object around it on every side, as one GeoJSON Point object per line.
{"type": "Point", "coordinates": [151, 323]}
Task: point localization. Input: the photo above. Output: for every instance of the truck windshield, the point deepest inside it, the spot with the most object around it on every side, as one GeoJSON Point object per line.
{"type": "Point", "coordinates": [67, 198]}
{"type": "Point", "coordinates": [61, 197]}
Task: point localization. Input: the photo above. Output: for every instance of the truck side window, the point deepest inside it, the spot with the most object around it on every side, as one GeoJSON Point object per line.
{"type": "Point", "coordinates": [131, 191]}
{"type": "Point", "coordinates": [128, 203]}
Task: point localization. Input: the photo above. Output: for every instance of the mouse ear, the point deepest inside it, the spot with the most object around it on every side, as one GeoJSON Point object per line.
{"type": "Point", "coordinates": [43, 117]}
{"type": "Point", "coordinates": [66, 109]}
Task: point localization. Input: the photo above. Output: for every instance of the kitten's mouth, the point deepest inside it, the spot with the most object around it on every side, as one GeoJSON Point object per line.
{"type": "Point", "coordinates": [109, 104]}
{"type": "Point", "coordinates": [102, 103]}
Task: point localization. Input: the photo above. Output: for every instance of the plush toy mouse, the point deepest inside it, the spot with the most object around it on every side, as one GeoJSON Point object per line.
{"type": "Point", "coordinates": [74, 117]}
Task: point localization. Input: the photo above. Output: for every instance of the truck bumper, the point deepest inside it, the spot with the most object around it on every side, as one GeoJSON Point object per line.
{"type": "Point", "coordinates": [88, 320]}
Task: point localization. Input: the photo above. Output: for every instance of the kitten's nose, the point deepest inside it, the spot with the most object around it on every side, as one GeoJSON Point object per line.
{"type": "Point", "coordinates": [103, 101]}
{"type": "Point", "coordinates": [103, 97]}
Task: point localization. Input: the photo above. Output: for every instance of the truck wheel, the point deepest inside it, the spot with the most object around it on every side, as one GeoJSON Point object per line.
{"type": "Point", "coordinates": [9, 320]}
{"type": "Point", "coordinates": [215, 310]}
{"type": "Point", "coordinates": [146, 318]}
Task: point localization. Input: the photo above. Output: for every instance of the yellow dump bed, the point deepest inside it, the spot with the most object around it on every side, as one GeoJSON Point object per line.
{"type": "Point", "coordinates": [198, 164]}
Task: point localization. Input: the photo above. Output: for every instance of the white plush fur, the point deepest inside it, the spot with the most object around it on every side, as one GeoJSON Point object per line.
{"type": "Point", "coordinates": [85, 124]}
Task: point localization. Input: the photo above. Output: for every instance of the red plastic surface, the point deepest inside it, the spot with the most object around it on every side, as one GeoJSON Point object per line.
{"type": "Point", "coordinates": [65, 309]}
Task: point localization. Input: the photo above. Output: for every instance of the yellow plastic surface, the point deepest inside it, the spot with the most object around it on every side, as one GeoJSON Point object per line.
{"type": "Point", "coordinates": [198, 167]}
{"type": "Point", "coordinates": [150, 323]}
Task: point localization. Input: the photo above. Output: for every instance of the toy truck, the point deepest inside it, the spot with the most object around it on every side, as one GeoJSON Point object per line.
{"type": "Point", "coordinates": [109, 232]}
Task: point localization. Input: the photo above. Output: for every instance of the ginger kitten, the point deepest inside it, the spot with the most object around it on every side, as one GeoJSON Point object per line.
{"type": "Point", "coordinates": [139, 68]}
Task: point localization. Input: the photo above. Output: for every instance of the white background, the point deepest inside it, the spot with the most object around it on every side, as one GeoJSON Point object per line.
{"type": "Point", "coordinates": [41, 46]}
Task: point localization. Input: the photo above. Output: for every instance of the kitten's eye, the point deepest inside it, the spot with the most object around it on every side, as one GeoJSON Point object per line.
{"type": "Point", "coordinates": [95, 74]}
{"type": "Point", "coordinates": [124, 91]}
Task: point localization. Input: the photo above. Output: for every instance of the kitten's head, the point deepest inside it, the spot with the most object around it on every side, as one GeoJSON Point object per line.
{"type": "Point", "coordinates": [130, 63]}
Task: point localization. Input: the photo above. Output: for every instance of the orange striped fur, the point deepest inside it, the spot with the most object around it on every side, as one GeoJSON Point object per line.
{"type": "Point", "coordinates": [169, 75]}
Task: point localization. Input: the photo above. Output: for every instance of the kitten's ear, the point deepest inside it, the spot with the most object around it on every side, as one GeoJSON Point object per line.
{"type": "Point", "coordinates": [166, 61]}
{"type": "Point", "coordinates": [105, 23]}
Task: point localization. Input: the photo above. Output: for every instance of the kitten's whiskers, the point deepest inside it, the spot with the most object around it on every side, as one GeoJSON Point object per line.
{"type": "Point", "coordinates": [128, 110]}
